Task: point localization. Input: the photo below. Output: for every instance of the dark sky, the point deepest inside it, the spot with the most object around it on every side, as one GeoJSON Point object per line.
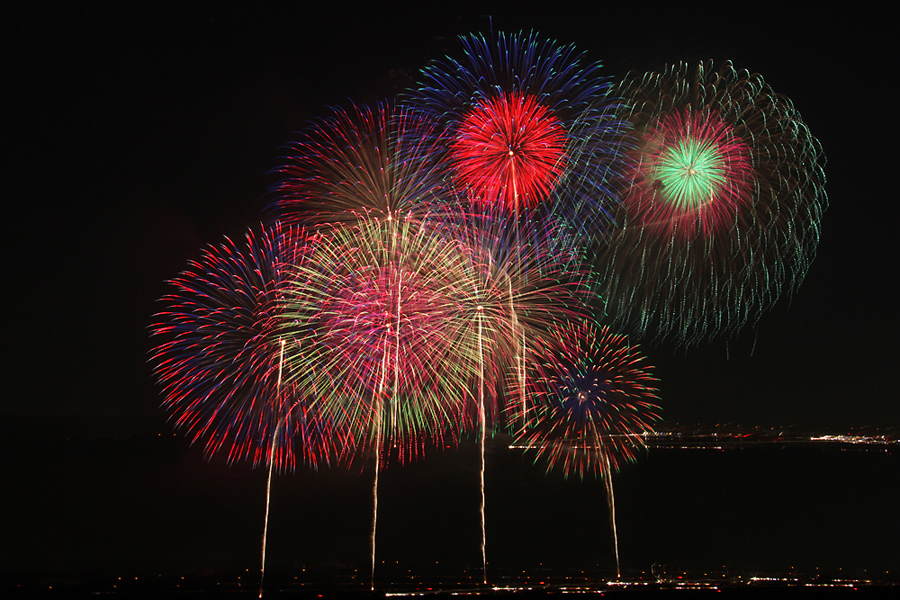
{"type": "Point", "coordinates": [139, 137]}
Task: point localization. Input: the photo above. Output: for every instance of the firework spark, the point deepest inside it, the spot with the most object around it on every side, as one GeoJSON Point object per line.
{"type": "Point", "coordinates": [595, 401]}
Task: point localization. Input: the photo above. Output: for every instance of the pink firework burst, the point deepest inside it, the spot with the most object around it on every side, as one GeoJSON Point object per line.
{"type": "Point", "coordinates": [509, 149]}
{"type": "Point", "coordinates": [379, 301]}
{"type": "Point", "coordinates": [691, 175]}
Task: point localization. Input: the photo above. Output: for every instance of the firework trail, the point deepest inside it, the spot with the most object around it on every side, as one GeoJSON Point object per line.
{"type": "Point", "coordinates": [541, 287]}
{"type": "Point", "coordinates": [361, 162]}
{"type": "Point", "coordinates": [219, 358]}
{"type": "Point", "coordinates": [381, 297]}
{"type": "Point", "coordinates": [723, 208]}
{"type": "Point", "coordinates": [262, 570]}
{"type": "Point", "coordinates": [597, 399]}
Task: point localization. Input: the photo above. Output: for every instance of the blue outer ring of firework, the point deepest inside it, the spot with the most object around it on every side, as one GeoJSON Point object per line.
{"type": "Point", "coordinates": [574, 91]}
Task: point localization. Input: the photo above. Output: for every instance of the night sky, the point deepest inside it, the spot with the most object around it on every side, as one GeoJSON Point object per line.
{"type": "Point", "coordinates": [140, 137]}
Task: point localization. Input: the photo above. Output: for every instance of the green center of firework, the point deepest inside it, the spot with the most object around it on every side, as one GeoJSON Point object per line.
{"type": "Point", "coordinates": [691, 173]}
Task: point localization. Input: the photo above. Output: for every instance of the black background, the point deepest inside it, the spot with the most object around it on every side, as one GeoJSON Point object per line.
{"type": "Point", "coordinates": [137, 136]}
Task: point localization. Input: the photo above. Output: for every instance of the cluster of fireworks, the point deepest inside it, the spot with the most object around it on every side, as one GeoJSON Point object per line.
{"type": "Point", "coordinates": [470, 257]}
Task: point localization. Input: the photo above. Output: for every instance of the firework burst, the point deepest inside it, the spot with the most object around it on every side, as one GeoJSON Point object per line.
{"type": "Point", "coordinates": [218, 356]}
{"type": "Point", "coordinates": [517, 294]}
{"type": "Point", "coordinates": [509, 150]}
{"type": "Point", "coordinates": [693, 176]}
{"type": "Point", "coordinates": [514, 296]}
{"type": "Point", "coordinates": [359, 163]}
{"type": "Point", "coordinates": [531, 125]}
{"type": "Point", "coordinates": [380, 297]}
{"type": "Point", "coordinates": [722, 215]}
{"type": "Point", "coordinates": [595, 397]}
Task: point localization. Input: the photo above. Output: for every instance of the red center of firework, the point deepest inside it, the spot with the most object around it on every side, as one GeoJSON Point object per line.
{"type": "Point", "coordinates": [692, 175]}
{"type": "Point", "coordinates": [509, 149]}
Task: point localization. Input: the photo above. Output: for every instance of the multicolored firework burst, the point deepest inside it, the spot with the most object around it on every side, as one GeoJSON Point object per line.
{"type": "Point", "coordinates": [221, 359]}
{"type": "Point", "coordinates": [595, 397]}
{"type": "Point", "coordinates": [218, 356]}
{"type": "Point", "coordinates": [531, 127]}
{"type": "Point", "coordinates": [723, 210]}
{"type": "Point", "coordinates": [380, 297]}
{"type": "Point", "coordinates": [692, 176]}
{"type": "Point", "coordinates": [361, 162]}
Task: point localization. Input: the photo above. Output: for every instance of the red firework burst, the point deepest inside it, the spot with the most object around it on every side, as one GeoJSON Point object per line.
{"type": "Point", "coordinates": [691, 173]}
{"type": "Point", "coordinates": [509, 149]}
